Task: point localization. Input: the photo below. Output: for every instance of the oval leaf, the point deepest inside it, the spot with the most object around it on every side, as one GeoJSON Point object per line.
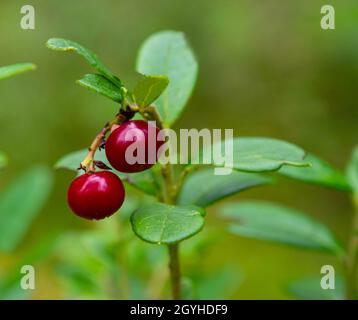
{"type": "Point", "coordinates": [252, 154]}
{"type": "Point", "coordinates": [144, 181]}
{"type": "Point", "coordinates": [101, 85]}
{"type": "Point", "coordinates": [203, 187]}
{"type": "Point", "coordinates": [319, 172]}
{"type": "Point", "coordinates": [167, 53]}
{"type": "Point", "coordinates": [271, 222]}
{"type": "Point", "coordinates": [148, 89]}
{"type": "Point", "coordinates": [165, 224]}
{"type": "Point", "coordinates": [352, 170]}
{"type": "Point", "coordinates": [14, 69]}
{"type": "Point", "coordinates": [20, 203]}
{"type": "Point", "coordinates": [59, 44]}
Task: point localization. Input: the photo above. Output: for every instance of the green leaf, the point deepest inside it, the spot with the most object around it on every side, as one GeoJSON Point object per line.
{"type": "Point", "coordinates": [72, 160]}
{"type": "Point", "coordinates": [166, 224]}
{"type": "Point", "coordinates": [20, 203]}
{"type": "Point", "coordinates": [252, 154]}
{"type": "Point", "coordinates": [14, 69]}
{"type": "Point", "coordinates": [59, 44]}
{"type": "Point", "coordinates": [352, 170]}
{"type": "Point", "coordinates": [271, 222]}
{"type": "Point", "coordinates": [149, 88]}
{"type": "Point", "coordinates": [167, 53]}
{"type": "Point", "coordinates": [3, 160]}
{"type": "Point", "coordinates": [319, 173]}
{"type": "Point", "coordinates": [144, 181]}
{"type": "Point", "coordinates": [203, 187]}
{"type": "Point", "coordinates": [101, 85]}
{"type": "Point", "coordinates": [309, 288]}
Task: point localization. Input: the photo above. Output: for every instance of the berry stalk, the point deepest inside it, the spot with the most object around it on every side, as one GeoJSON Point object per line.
{"type": "Point", "coordinates": [88, 163]}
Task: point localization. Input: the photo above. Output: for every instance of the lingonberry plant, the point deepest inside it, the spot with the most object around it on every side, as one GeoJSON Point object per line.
{"type": "Point", "coordinates": [181, 193]}
{"type": "Point", "coordinates": [271, 222]}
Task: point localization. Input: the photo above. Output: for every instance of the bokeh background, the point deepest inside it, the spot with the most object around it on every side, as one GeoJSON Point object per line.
{"type": "Point", "coordinates": [266, 69]}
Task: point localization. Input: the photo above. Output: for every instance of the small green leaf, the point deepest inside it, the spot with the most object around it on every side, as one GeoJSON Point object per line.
{"type": "Point", "coordinates": [271, 222]}
{"type": "Point", "coordinates": [252, 154]}
{"type": "Point", "coordinates": [59, 44]}
{"type": "Point", "coordinates": [72, 160]}
{"type": "Point", "coordinates": [14, 69]}
{"type": "Point", "coordinates": [101, 85]}
{"type": "Point", "coordinates": [166, 224]}
{"type": "Point", "coordinates": [319, 172]}
{"type": "Point", "coordinates": [3, 160]}
{"type": "Point", "coordinates": [352, 170]}
{"type": "Point", "coordinates": [144, 181]}
{"type": "Point", "coordinates": [149, 88]}
{"type": "Point", "coordinates": [203, 187]}
{"type": "Point", "coordinates": [167, 53]}
{"type": "Point", "coordinates": [309, 288]}
{"type": "Point", "coordinates": [20, 203]}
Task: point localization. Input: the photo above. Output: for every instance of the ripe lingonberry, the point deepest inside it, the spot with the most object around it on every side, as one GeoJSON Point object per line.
{"type": "Point", "coordinates": [144, 135]}
{"type": "Point", "coordinates": [96, 195]}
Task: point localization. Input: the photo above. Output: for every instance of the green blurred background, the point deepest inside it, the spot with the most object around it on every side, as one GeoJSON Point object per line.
{"type": "Point", "coordinates": [266, 69]}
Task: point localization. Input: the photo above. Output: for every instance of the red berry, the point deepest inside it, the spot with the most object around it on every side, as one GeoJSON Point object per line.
{"type": "Point", "coordinates": [96, 195]}
{"type": "Point", "coordinates": [139, 133]}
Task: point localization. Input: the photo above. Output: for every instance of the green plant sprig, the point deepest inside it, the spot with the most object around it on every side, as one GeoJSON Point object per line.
{"type": "Point", "coordinates": [180, 208]}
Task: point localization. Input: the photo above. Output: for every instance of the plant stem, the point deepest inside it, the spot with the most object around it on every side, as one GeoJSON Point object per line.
{"type": "Point", "coordinates": [174, 267]}
{"type": "Point", "coordinates": [169, 184]}
{"type": "Point", "coordinates": [151, 113]}
{"type": "Point", "coordinates": [169, 197]}
{"type": "Point", "coordinates": [87, 164]}
{"type": "Point", "coordinates": [352, 258]}
{"type": "Point", "coordinates": [174, 263]}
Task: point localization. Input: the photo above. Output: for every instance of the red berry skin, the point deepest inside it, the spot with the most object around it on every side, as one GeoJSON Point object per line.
{"type": "Point", "coordinates": [117, 145]}
{"type": "Point", "coordinates": [96, 195]}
